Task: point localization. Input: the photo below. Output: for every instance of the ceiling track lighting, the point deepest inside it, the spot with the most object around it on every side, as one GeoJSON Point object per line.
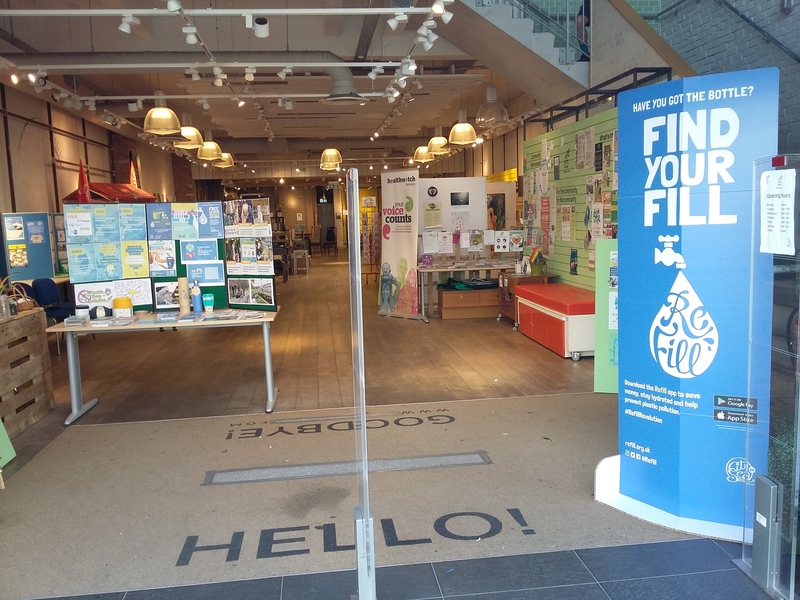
{"type": "Point", "coordinates": [249, 73]}
{"type": "Point", "coordinates": [127, 21]}
{"type": "Point", "coordinates": [373, 74]}
{"type": "Point", "coordinates": [399, 17]}
{"type": "Point", "coordinates": [174, 6]}
{"type": "Point", "coordinates": [259, 25]}
{"type": "Point", "coordinates": [193, 73]}
{"type": "Point", "coordinates": [191, 34]}
{"type": "Point", "coordinates": [437, 7]}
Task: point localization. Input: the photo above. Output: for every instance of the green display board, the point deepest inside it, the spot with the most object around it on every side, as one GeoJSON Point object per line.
{"type": "Point", "coordinates": [606, 334]}
{"type": "Point", "coordinates": [570, 195]}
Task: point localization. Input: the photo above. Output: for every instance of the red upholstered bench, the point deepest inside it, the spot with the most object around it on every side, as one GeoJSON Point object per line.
{"type": "Point", "coordinates": [559, 316]}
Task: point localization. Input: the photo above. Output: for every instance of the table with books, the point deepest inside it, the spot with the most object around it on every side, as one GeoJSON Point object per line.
{"type": "Point", "coordinates": [75, 326]}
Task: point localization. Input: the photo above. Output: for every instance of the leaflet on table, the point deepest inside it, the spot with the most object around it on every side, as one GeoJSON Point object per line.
{"type": "Point", "coordinates": [135, 260]}
{"type": "Point", "coordinates": [105, 221]}
{"type": "Point", "coordinates": [209, 220]}
{"type": "Point", "coordinates": [251, 291]}
{"type": "Point", "coordinates": [79, 228]}
{"type": "Point", "coordinates": [198, 250]}
{"type": "Point", "coordinates": [184, 221]}
{"type": "Point", "coordinates": [206, 273]}
{"type": "Point", "coordinates": [108, 261]}
{"type": "Point", "coordinates": [162, 258]}
{"type": "Point", "coordinates": [82, 266]}
{"type": "Point", "coordinates": [132, 222]}
{"type": "Point", "coordinates": [159, 221]}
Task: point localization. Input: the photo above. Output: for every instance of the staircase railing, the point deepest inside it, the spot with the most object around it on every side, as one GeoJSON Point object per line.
{"type": "Point", "coordinates": [560, 23]}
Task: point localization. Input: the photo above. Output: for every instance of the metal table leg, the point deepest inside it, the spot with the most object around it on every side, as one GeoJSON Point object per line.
{"type": "Point", "coordinates": [272, 393]}
{"type": "Point", "coordinates": [75, 390]}
{"type": "Point", "coordinates": [421, 285]}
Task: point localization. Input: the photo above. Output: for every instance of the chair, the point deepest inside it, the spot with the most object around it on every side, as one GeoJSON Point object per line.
{"type": "Point", "coordinates": [316, 242]}
{"type": "Point", "coordinates": [300, 261]}
{"type": "Point", "coordinates": [49, 298]}
{"type": "Point", "coordinates": [330, 241]}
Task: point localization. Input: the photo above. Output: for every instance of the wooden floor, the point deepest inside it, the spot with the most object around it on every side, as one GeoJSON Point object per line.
{"type": "Point", "coordinates": [162, 375]}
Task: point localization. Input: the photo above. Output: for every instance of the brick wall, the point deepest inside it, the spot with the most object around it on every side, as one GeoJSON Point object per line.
{"type": "Point", "coordinates": [121, 148]}
{"type": "Point", "coordinates": [713, 39]}
{"type": "Point", "coordinates": [185, 188]}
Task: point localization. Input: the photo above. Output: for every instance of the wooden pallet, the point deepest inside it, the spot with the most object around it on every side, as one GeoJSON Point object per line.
{"type": "Point", "coordinates": [26, 388]}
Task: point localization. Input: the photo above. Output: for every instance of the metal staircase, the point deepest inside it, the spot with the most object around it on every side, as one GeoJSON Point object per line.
{"type": "Point", "coordinates": [554, 26]}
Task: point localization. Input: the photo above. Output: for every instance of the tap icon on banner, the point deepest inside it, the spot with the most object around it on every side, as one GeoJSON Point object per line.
{"type": "Point", "coordinates": [668, 256]}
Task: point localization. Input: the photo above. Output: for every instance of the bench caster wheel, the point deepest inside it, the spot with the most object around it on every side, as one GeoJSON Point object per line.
{"type": "Point", "coordinates": [515, 328]}
{"type": "Point", "coordinates": [498, 319]}
{"type": "Point", "coordinates": [576, 356]}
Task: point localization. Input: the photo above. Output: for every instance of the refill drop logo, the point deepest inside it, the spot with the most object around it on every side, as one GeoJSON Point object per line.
{"type": "Point", "coordinates": [683, 337]}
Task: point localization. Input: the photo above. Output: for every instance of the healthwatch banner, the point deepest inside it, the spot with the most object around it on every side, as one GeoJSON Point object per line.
{"type": "Point", "coordinates": [686, 152]}
{"type": "Point", "coordinates": [397, 294]}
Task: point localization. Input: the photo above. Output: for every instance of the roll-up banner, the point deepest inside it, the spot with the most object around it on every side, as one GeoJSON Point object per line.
{"type": "Point", "coordinates": [397, 293]}
{"type": "Point", "coordinates": [686, 152]}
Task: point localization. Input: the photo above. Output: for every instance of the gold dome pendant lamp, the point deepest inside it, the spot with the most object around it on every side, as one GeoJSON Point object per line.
{"type": "Point", "coordinates": [330, 159]}
{"type": "Point", "coordinates": [161, 120]}
{"type": "Point", "coordinates": [436, 145]}
{"type": "Point", "coordinates": [210, 149]}
{"type": "Point", "coordinates": [462, 133]}
{"type": "Point", "coordinates": [192, 140]}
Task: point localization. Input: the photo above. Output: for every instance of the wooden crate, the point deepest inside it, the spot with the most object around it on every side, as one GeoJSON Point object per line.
{"type": "Point", "coordinates": [26, 388]}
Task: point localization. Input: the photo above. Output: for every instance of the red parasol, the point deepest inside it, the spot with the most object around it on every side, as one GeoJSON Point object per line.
{"type": "Point", "coordinates": [84, 196]}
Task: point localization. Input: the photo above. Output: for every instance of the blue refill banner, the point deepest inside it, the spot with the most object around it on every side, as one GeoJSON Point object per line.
{"type": "Point", "coordinates": [686, 152]}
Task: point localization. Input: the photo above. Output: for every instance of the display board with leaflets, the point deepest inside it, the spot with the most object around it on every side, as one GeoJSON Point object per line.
{"type": "Point", "coordinates": [248, 254]}
{"type": "Point", "coordinates": [143, 251]}
{"type": "Point", "coordinates": [27, 248]}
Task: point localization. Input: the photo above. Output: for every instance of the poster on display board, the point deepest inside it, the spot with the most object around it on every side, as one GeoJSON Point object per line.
{"type": "Point", "coordinates": [397, 292]}
{"type": "Point", "coordinates": [248, 237]}
{"type": "Point", "coordinates": [27, 249]}
{"type": "Point", "coordinates": [456, 203]}
{"type": "Point", "coordinates": [686, 152]}
{"type": "Point", "coordinates": [254, 293]}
